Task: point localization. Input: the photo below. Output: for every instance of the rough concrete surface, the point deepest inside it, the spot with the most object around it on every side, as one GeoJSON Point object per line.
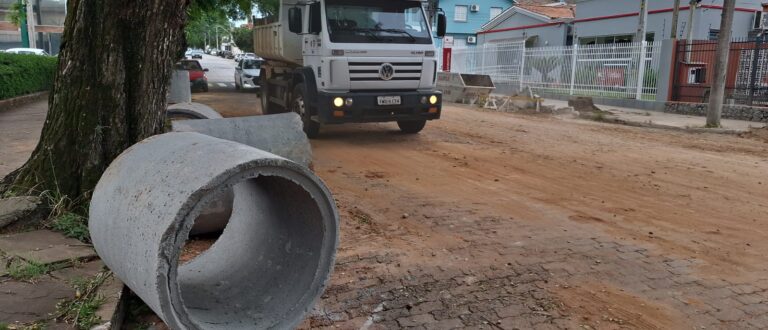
{"type": "Point", "coordinates": [17, 208]}
{"type": "Point", "coordinates": [180, 91]}
{"type": "Point", "coordinates": [44, 246]}
{"type": "Point", "coordinates": [192, 110]}
{"type": "Point", "coordinates": [25, 302]}
{"type": "Point", "coordinates": [267, 268]}
{"type": "Point", "coordinates": [279, 134]}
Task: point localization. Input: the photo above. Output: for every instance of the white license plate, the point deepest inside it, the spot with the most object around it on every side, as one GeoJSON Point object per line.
{"type": "Point", "coordinates": [389, 100]}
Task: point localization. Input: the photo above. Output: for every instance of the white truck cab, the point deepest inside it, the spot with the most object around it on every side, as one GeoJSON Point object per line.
{"type": "Point", "coordinates": [342, 61]}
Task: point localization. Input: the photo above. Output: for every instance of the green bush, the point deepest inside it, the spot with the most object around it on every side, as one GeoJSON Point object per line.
{"type": "Point", "coordinates": [25, 74]}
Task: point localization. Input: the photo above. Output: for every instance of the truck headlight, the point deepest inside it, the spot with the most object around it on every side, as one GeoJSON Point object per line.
{"type": "Point", "coordinates": [338, 102]}
{"type": "Point", "coordinates": [433, 99]}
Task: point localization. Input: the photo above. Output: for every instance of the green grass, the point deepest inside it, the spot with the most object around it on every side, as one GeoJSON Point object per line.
{"type": "Point", "coordinates": [81, 311]}
{"type": "Point", "coordinates": [598, 116]}
{"type": "Point", "coordinates": [27, 270]}
{"type": "Point", "coordinates": [4, 326]}
{"type": "Point", "coordinates": [73, 226]}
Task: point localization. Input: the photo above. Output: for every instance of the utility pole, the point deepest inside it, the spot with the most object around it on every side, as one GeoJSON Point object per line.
{"type": "Point", "coordinates": [643, 22]}
{"type": "Point", "coordinates": [691, 18]}
{"type": "Point", "coordinates": [675, 17]}
{"type": "Point", "coordinates": [717, 94]}
{"type": "Point", "coordinates": [689, 26]}
{"type": "Point", "coordinates": [23, 24]}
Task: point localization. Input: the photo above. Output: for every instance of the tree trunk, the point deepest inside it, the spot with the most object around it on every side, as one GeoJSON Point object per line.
{"type": "Point", "coordinates": [109, 91]}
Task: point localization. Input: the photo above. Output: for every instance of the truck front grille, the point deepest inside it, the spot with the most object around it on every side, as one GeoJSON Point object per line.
{"type": "Point", "coordinates": [369, 71]}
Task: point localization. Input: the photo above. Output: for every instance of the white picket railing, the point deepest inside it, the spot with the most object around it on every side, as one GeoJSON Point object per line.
{"type": "Point", "coordinates": [611, 71]}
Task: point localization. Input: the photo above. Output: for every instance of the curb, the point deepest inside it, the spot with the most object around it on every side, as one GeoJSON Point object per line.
{"type": "Point", "coordinates": [695, 130]}
{"type": "Point", "coordinates": [22, 100]}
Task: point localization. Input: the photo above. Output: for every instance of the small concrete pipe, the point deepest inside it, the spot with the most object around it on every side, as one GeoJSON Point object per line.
{"type": "Point", "coordinates": [268, 267]}
{"type": "Point", "coordinates": [192, 110]}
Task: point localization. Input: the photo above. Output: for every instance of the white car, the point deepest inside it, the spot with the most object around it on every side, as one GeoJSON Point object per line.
{"type": "Point", "coordinates": [27, 51]}
{"type": "Point", "coordinates": [247, 73]}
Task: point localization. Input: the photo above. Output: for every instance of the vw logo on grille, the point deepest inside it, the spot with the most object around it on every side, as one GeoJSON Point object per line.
{"type": "Point", "coordinates": [387, 71]}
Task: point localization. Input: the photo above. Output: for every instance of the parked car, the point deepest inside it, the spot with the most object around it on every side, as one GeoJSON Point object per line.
{"type": "Point", "coordinates": [197, 78]}
{"type": "Point", "coordinates": [250, 55]}
{"type": "Point", "coordinates": [27, 51]}
{"type": "Point", "coordinates": [247, 72]}
{"type": "Point", "coordinates": [228, 55]}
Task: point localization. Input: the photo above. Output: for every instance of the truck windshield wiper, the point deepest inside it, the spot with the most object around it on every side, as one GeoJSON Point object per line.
{"type": "Point", "coordinates": [413, 39]}
{"type": "Point", "coordinates": [368, 32]}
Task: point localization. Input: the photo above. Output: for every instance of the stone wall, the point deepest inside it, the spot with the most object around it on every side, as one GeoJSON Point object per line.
{"type": "Point", "coordinates": [739, 112]}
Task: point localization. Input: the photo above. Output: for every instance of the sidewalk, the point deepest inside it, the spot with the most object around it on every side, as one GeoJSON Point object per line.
{"type": "Point", "coordinates": [665, 120]}
{"type": "Point", "coordinates": [19, 132]}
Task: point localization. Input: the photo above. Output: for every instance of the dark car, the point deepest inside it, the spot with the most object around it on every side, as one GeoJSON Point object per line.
{"type": "Point", "coordinates": [197, 78]}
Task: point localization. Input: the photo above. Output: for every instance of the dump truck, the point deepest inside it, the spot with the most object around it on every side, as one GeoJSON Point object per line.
{"type": "Point", "coordinates": [351, 61]}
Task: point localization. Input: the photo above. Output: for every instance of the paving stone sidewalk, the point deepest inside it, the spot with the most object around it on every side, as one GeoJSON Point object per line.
{"type": "Point", "coordinates": [540, 277]}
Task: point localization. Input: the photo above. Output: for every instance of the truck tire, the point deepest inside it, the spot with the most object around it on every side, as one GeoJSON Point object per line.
{"type": "Point", "coordinates": [411, 126]}
{"type": "Point", "coordinates": [299, 106]}
{"type": "Point", "coordinates": [264, 97]}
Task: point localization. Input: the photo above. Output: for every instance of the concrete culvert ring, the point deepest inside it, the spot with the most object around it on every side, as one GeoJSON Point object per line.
{"type": "Point", "coordinates": [191, 110]}
{"type": "Point", "coordinates": [268, 267]}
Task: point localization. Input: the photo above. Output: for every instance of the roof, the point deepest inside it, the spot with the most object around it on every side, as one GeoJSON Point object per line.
{"type": "Point", "coordinates": [546, 11]}
{"type": "Point", "coordinates": [552, 12]}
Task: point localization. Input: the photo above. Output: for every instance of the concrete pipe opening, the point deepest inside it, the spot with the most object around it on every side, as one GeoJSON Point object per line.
{"type": "Point", "coordinates": [268, 266]}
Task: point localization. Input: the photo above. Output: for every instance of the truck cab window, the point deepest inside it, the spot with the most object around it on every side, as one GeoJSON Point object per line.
{"type": "Point", "coordinates": [354, 21]}
{"type": "Point", "coordinates": [315, 19]}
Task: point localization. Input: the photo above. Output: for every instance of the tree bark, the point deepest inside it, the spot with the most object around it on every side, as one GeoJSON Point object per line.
{"type": "Point", "coordinates": [109, 91]}
{"type": "Point", "coordinates": [717, 95]}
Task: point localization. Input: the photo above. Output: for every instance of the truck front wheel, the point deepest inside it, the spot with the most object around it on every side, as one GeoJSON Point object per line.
{"type": "Point", "coordinates": [299, 106]}
{"type": "Point", "coordinates": [411, 126]}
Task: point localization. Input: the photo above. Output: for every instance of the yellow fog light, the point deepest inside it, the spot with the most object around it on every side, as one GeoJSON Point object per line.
{"type": "Point", "coordinates": [433, 99]}
{"type": "Point", "coordinates": [338, 102]}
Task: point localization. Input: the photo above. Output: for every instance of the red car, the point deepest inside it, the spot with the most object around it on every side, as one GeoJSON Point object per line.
{"type": "Point", "coordinates": [197, 77]}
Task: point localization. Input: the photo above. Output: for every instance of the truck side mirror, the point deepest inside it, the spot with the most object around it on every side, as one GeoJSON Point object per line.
{"type": "Point", "coordinates": [442, 25]}
{"type": "Point", "coordinates": [295, 20]}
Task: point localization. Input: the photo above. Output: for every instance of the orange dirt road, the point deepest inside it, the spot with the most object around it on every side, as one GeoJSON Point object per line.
{"type": "Point", "coordinates": [616, 226]}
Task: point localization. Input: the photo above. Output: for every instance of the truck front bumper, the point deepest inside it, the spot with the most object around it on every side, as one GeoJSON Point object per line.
{"type": "Point", "coordinates": [366, 109]}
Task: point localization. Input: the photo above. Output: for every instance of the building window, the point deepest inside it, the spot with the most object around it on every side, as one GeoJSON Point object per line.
{"type": "Point", "coordinates": [697, 76]}
{"type": "Point", "coordinates": [460, 13]}
{"type": "Point", "coordinates": [496, 11]}
{"type": "Point", "coordinates": [713, 34]}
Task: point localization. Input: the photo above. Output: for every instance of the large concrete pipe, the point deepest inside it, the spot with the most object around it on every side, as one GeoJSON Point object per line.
{"type": "Point", "coordinates": [265, 271]}
{"type": "Point", "coordinates": [281, 134]}
{"type": "Point", "coordinates": [192, 110]}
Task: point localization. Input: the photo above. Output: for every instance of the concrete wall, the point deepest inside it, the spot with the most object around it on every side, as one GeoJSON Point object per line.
{"type": "Point", "coordinates": [658, 23]}
{"type": "Point", "coordinates": [593, 20]}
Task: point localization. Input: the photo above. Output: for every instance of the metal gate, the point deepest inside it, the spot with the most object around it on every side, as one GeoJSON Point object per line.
{"type": "Point", "coordinates": [746, 78]}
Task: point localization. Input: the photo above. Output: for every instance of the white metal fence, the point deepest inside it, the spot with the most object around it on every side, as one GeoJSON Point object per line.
{"type": "Point", "coordinates": [610, 71]}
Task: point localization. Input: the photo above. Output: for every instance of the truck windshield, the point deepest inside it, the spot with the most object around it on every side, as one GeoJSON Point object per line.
{"type": "Point", "coordinates": [389, 21]}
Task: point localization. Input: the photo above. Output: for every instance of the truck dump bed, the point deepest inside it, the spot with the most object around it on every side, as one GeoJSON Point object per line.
{"type": "Point", "coordinates": [275, 42]}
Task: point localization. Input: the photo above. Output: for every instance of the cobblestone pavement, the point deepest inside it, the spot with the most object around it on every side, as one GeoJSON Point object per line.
{"type": "Point", "coordinates": [421, 252]}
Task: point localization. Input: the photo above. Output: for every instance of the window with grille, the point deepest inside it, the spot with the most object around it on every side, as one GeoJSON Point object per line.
{"type": "Point", "coordinates": [460, 13]}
